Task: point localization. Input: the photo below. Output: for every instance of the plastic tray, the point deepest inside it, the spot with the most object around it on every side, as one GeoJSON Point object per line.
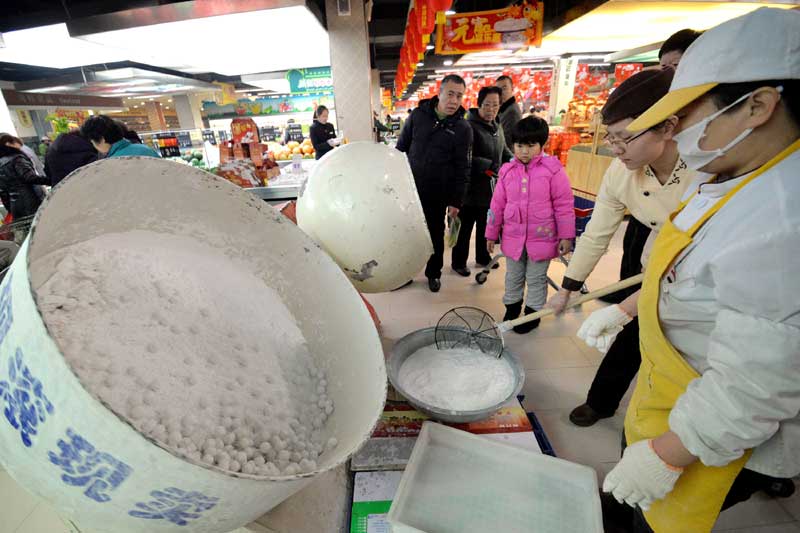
{"type": "Point", "coordinates": [456, 482]}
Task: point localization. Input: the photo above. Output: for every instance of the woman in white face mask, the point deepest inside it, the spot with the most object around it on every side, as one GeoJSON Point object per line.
{"type": "Point", "coordinates": [715, 410]}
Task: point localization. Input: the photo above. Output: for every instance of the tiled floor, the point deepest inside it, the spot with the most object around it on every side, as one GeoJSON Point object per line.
{"type": "Point", "coordinates": [559, 371]}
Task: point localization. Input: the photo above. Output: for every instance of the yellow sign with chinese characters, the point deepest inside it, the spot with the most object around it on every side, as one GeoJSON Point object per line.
{"type": "Point", "coordinates": [24, 118]}
{"type": "Point", "coordinates": [514, 27]}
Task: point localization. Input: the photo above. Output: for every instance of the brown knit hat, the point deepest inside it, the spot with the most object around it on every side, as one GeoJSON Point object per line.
{"type": "Point", "coordinates": [637, 94]}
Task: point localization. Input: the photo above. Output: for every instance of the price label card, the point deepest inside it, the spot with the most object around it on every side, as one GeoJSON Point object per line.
{"type": "Point", "coordinates": [376, 523]}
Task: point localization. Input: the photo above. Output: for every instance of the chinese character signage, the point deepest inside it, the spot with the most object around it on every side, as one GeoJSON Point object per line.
{"type": "Point", "coordinates": [24, 118]}
{"type": "Point", "coordinates": [510, 28]}
{"type": "Point", "coordinates": [310, 80]}
{"type": "Point", "coordinates": [33, 100]}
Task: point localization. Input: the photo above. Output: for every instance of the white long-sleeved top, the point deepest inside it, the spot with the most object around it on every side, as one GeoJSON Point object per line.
{"type": "Point", "coordinates": [731, 306]}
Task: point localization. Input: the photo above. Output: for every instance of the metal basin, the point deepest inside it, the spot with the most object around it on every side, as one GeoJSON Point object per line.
{"type": "Point", "coordinates": [425, 337]}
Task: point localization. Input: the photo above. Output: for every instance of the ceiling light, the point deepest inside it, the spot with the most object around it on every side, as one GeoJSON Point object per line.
{"type": "Point", "coordinates": [447, 62]}
{"type": "Point", "coordinates": [420, 64]}
{"type": "Point", "coordinates": [449, 12]}
{"type": "Point", "coordinates": [51, 46]}
{"type": "Point", "coordinates": [285, 24]}
{"type": "Point", "coordinates": [430, 47]}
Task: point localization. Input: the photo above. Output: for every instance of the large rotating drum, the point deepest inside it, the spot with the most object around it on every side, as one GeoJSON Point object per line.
{"type": "Point", "coordinates": [361, 205]}
{"type": "Point", "coordinates": [63, 442]}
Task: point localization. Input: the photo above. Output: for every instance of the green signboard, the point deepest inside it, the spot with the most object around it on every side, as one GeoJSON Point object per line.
{"type": "Point", "coordinates": [310, 80]}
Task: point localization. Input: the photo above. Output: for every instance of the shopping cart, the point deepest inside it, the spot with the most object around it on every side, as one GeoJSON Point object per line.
{"type": "Point", "coordinates": [583, 208]}
{"type": "Point", "coordinates": [12, 234]}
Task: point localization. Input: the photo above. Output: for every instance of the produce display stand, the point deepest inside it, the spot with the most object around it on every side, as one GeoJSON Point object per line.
{"type": "Point", "coordinates": [244, 160]}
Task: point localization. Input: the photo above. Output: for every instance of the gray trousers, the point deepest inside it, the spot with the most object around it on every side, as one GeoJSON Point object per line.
{"type": "Point", "coordinates": [522, 271]}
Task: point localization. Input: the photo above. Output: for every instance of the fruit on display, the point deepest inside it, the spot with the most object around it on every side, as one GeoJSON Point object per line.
{"type": "Point", "coordinates": [191, 157]}
{"type": "Point", "coordinates": [285, 153]}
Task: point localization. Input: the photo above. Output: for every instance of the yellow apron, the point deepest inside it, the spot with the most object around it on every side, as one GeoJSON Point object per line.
{"type": "Point", "coordinates": [695, 502]}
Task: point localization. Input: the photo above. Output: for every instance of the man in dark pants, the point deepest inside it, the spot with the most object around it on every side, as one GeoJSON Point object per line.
{"type": "Point", "coordinates": [647, 179]}
{"type": "Point", "coordinates": [438, 142]}
{"type": "Point", "coordinates": [509, 113]}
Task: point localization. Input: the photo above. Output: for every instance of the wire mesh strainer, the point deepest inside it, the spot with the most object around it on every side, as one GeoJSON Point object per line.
{"type": "Point", "coordinates": [470, 327]}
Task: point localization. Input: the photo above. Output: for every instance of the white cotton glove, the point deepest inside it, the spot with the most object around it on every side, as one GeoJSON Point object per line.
{"type": "Point", "coordinates": [641, 477]}
{"type": "Point", "coordinates": [603, 326]}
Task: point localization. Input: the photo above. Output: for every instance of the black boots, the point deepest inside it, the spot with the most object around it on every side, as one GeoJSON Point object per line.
{"type": "Point", "coordinates": [585, 416]}
{"type": "Point", "coordinates": [530, 326]}
{"type": "Point", "coordinates": [434, 284]}
{"type": "Point", "coordinates": [512, 311]}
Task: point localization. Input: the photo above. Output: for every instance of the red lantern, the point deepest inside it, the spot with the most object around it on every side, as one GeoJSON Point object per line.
{"type": "Point", "coordinates": [426, 17]}
{"type": "Point", "coordinates": [440, 5]}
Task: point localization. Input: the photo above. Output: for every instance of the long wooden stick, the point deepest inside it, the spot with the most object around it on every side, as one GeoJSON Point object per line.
{"type": "Point", "coordinates": [614, 287]}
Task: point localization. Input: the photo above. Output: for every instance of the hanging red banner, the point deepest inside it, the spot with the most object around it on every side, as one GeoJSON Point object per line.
{"type": "Point", "coordinates": [510, 28]}
{"type": "Point", "coordinates": [426, 17]}
{"type": "Point", "coordinates": [623, 71]}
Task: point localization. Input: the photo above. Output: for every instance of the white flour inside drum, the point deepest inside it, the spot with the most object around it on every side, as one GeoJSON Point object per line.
{"type": "Point", "coordinates": [190, 347]}
{"type": "Point", "coordinates": [457, 379]}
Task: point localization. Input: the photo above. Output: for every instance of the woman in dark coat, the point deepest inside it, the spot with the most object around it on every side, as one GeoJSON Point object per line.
{"type": "Point", "coordinates": [68, 152]}
{"type": "Point", "coordinates": [322, 133]}
{"type": "Point", "coordinates": [20, 186]}
{"type": "Point", "coordinates": [489, 152]}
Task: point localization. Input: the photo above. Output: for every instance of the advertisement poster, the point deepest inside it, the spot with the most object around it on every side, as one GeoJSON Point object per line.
{"type": "Point", "coordinates": [268, 105]}
{"type": "Point", "coordinates": [514, 27]}
{"type": "Point", "coordinates": [310, 80]}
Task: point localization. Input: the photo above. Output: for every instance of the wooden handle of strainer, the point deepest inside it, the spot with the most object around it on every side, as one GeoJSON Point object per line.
{"type": "Point", "coordinates": [614, 287]}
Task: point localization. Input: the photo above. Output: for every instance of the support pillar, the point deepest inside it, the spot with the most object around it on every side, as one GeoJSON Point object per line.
{"type": "Point", "coordinates": [350, 68]}
{"type": "Point", "coordinates": [377, 106]}
{"type": "Point", "coordinates": [6, 122]}
{"type": "Point", "coordinates": [155, 116]}
{"type": "Point", "coordinates": [188, 109]}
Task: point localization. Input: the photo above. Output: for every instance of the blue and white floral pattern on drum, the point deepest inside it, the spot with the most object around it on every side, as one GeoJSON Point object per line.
{"type": "Point", "coordinates": [84, 466]}
{"type": "Point", "coordinates": [6, 316]}
{"type": "Point", "coordinates": [24, 402]}
{"type": "Point", "coordinates": [175, 505]}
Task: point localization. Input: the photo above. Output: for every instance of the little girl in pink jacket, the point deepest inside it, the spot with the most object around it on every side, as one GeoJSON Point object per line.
{"type": "Point", "coordinates": [532, 207]}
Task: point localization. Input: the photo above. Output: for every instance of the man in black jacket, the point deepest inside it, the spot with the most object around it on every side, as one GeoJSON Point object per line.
{"type": "Point", "coordinates": [510, 113]}
{"type": "Point", "coordinates": [438, 142]}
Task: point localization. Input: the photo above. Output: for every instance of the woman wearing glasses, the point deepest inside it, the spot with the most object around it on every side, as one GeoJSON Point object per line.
{"type": "Point", "coordinates": [647, 178]}
{"type": "Point", "coordinates": [489, 152]}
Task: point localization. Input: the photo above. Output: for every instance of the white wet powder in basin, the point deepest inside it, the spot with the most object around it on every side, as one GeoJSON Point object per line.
{"type": "Point", "coordinates": [192, 348]}
{"type": "Point", "coordinates": [457, 379]}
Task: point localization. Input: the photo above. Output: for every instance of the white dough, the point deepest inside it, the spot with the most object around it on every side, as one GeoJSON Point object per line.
{"type": "Point", "coordinates": [189, 346]}
{"type": "Point", "coordinates": [457, 379]}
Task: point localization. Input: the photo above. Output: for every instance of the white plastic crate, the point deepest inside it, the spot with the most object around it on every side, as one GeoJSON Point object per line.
{"type": "Point", "coordinates": [456, 482]}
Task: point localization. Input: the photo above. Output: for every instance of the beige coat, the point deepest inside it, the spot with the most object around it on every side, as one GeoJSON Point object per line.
{"type": "Point", "coordinates": [638, 191]}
